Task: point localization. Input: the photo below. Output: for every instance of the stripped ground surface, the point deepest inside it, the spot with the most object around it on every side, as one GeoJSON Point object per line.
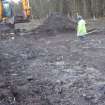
{"type": "Point", "coordinates": [52, 70]}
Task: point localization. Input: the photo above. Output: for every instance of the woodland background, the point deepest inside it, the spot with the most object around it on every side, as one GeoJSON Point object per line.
{"type": "Point", "coordinates": [86, 8]}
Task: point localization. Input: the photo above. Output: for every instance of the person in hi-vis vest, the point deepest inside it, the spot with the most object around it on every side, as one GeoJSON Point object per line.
{"type": "Point", "coordinates": [81, 27]}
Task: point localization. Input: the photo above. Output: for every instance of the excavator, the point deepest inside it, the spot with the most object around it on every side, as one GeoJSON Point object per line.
{"type": "Point", "coordinates": [7, 15]}
{"type": "Point", "coordinates": [26, 12]}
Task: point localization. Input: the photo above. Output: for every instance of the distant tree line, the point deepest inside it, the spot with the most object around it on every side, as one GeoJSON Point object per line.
{"type": "Point", "coordinates": [86, 8]}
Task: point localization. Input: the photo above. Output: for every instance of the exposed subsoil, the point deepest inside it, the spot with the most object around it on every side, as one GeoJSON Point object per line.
{"type": "Point", "coordinates": [57, 69]}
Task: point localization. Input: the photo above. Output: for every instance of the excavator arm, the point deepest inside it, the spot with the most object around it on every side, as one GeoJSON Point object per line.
{"type": "Point", "coordinates": [26, 8]}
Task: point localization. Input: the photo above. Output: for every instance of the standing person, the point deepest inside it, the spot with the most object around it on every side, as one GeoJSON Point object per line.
{"type": "Point", "coordinates": [81, 28]}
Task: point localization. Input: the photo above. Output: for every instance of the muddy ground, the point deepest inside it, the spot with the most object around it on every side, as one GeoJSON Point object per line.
{"type": "Point", "coordinates": [52, 70]}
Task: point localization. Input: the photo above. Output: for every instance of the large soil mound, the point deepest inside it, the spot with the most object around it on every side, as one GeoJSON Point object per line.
{"type": "Point", "coordinates": [56, 22]}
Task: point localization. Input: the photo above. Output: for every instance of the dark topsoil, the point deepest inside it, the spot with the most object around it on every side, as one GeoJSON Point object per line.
{"type": "Point", "coordinates": [52, 70]}
{"type": "Point", "coordinates": [55, 23]}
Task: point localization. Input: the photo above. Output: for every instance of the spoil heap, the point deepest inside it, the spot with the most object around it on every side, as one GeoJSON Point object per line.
{"type": "Point", "coordinates": [56, 22]}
